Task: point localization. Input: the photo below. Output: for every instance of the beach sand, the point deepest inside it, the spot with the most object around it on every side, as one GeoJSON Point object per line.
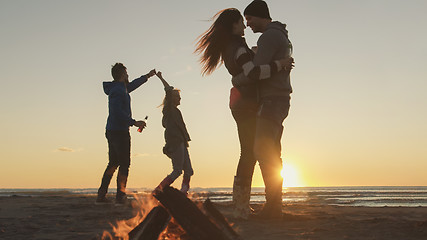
{"type": "Point", "coordinates": [77, 217]}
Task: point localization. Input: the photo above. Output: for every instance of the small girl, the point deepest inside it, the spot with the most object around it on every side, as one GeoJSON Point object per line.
{"type": "Point", "coordinates": [176, 137]}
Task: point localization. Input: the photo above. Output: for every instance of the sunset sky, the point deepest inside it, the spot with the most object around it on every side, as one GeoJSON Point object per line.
{"type": "Point", "coordinates": [358, 112]}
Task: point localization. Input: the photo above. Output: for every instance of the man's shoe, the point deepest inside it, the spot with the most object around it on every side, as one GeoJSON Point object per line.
{"type": "Point", "coordinates": [269, 212]}
{"type": "Point", "coordinates": [102, 200]}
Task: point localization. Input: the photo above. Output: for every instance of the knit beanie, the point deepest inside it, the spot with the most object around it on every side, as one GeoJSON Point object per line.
{"type": "Point", "coordinates": [257, 8]}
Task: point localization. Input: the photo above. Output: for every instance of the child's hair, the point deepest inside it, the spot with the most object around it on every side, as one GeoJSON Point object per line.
{"type": "Point", "coordinates": [167, 100]}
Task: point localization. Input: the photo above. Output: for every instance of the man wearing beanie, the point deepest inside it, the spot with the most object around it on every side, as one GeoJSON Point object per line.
{"type": "Point", "coordinates": [274, 101]}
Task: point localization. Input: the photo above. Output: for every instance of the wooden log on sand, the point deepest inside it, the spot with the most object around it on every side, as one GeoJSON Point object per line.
{"type": "Point", "coordinates": [154, 224]}
{"type": "Point", "coordinates": [219, 220]}
{"type": "Point", "coordinates": [197, 225]}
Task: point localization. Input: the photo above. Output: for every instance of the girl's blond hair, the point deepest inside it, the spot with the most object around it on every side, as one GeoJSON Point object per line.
{"type": "Point", "coordinates": [167, 100]}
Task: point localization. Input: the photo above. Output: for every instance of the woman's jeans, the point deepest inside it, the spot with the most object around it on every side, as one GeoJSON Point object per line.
{"type": "Point", "coordinates": [246, 126]}
{"type": "Point", "coordinates": [118, 157]}
{"type": "Point", "coordinates": [180, 161]}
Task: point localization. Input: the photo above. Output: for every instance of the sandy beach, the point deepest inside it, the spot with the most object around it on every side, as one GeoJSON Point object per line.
{"type": "Point", "coordinates": [77, 217]}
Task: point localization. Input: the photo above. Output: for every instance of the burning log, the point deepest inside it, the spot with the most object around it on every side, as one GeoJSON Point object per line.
{"type": "Point", "coordinates": [190, 217]}
{"type": "Point", "coordinates": [150, 229]}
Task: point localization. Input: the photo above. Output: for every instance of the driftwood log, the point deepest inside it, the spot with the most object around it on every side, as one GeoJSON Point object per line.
{"type": "Point", "coordinates": [219, 220]}
{"type": "Point", "coordinates": [196, 224]}
{"type": "Point", "coordinates": [150, 229]}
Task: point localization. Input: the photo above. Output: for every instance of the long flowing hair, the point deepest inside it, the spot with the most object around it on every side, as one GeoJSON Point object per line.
{"type": "Point", "coordinates": [212, 43]}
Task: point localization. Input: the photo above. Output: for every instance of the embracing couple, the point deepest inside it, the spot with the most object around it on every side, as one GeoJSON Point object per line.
{"type": "Point", "coordinates": [259, 98]}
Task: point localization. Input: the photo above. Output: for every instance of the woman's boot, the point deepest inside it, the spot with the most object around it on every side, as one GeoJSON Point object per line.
{"type": "Point", "coordinates": [185, 186]}
{"type": "Point", "coordinates": [165, 182]}
{"type": "Point", "coordinates": [241, 197]}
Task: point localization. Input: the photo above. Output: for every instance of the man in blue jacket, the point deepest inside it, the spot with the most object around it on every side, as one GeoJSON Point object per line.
{"type": "Point", "coordinates": [117, 130]}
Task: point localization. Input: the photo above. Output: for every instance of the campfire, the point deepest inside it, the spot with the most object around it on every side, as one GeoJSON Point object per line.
{"type": "Point", "coordinates": [142, 206]}
{"type": "Point", "coordinates": [171, 215]}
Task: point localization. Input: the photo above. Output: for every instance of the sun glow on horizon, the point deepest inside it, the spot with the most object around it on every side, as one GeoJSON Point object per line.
{"type": "Point", "coordinates": [290, 176]}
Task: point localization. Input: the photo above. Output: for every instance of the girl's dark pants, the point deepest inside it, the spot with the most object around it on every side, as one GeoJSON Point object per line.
{"type": "Point", "coordinates": [180, 162]}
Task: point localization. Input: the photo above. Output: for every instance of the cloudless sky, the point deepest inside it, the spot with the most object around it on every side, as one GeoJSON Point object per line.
{"type": "Point", "coordinates": [358, 112]}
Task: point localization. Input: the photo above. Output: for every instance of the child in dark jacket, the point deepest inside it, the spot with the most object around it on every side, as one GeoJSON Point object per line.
{"type": "Point", "coordinates": [176, 137]}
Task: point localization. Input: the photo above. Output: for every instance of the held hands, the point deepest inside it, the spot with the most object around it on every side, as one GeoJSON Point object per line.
{"type": "Point", "coordinates": [151, 73]}
{"type": "Point", "coordinates": [287, 63]}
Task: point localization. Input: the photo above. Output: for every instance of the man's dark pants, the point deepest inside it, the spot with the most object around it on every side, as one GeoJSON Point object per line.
{"type": "Point", "coordinates": [118, 157]}
{"type": "Point", "coordinates": [267, 147]}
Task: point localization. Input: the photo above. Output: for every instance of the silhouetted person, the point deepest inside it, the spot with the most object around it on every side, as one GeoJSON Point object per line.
{"type": "Point", "coordinates": [176, 138]}
{"type": "Point", "coordinates": [117, 130]}
{"type": "Point", "coordinates": [224, 42]}
{"type": "Point", "coordinates": [274, 102]}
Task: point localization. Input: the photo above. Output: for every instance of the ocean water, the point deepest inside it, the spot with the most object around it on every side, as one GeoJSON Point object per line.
{"type": "Point", "coordinates": [336, 196]}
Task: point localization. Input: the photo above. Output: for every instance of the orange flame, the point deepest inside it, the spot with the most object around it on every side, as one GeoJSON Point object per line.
{"type": "Point", "coordinates": [142, 206]}
{"type": "Point", "coordinates": [172, 232]}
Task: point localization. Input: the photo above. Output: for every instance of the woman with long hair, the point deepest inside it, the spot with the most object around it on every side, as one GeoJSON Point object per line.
{"type": "Point", "coordinates": [223, 42]}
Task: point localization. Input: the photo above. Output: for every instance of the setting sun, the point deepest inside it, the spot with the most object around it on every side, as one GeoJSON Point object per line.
{"type": "Point", "coordinates": [290, 176]}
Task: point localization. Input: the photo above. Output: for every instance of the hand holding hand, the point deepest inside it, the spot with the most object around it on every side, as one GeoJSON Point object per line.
{"type": "Point", "coordinates": [151, 73]}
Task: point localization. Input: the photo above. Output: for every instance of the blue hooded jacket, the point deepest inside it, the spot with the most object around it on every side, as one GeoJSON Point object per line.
{"type": "Point", "coordinates": [119, 107]}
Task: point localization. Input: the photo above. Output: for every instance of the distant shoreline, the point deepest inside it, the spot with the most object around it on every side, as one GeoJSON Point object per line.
{"type": "Point", "coordinates": [387, 196]}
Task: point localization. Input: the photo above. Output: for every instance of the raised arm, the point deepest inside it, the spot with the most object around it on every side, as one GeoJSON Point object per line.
{"type": "Point", "coordinates": [165, 84]}
{"type": "Point", "coordinates": [139, 81]}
